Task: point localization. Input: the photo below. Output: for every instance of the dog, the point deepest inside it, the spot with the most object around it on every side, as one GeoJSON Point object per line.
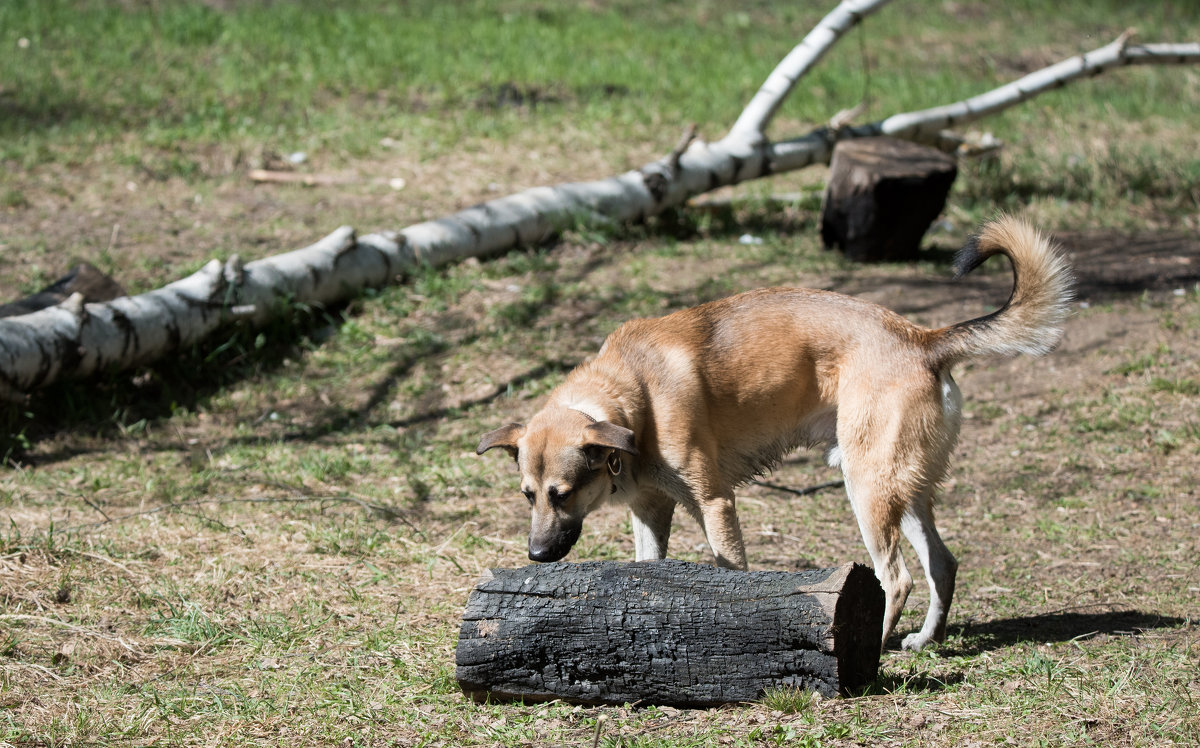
{"type": "Point", "coordinates": [683, 409]}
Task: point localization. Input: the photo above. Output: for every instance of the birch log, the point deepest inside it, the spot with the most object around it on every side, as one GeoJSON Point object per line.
{"type": "Point", "coordinates": [77, 339]}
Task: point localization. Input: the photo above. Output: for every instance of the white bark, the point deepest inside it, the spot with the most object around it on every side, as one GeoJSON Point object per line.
{"type": "Point", "coordinates": [929, 125]}
{"type": "Point", "coordinates": [751, 125]}
{"type": "Point", "coordinates": [76, 339]}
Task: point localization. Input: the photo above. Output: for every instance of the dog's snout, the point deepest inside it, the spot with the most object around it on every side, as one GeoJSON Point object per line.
{"type": "Point", "coordinates": [552, 546]}
{"type": "Point", "coordinates": [544, 553]}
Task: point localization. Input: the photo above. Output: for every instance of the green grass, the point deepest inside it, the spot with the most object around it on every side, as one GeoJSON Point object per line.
{"type": "Point", "coordinates": [231, 75]}
{"type": "Point", "coordinates": [308, 76]}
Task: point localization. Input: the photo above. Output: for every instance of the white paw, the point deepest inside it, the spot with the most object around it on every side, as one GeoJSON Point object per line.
{"type": "Point", "coordinates": [916, 642]}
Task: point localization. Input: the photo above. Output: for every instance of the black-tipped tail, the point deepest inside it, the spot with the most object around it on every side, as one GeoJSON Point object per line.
{"type": "Point", "coordinates": [1031, 320]}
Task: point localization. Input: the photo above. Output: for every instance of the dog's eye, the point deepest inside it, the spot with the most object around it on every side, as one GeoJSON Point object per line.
{"type": "Point", "coordinates": [558, 498]}
{"type": "Point", "coordinates": [529, 495]}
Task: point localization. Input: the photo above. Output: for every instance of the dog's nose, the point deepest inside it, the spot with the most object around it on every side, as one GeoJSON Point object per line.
{"type": "Point", "coordinates": [544, 553]}
{"type": "Point", "coordinates": [552, 546]}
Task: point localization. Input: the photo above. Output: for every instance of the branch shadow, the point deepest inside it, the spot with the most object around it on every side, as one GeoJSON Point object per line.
{"type": "Point", "coordinates": [1055, 627]}
{"type": "Point", "coordinates": [37, 110]}
{"type": "Point", "coordinates": [113, 403]}
{"type": "Point", "coordinates": [988, 636]}
{"type": "Point", "coordinates": [433, 404]}
{"type": "Point", "coordinates": [1108, 267]}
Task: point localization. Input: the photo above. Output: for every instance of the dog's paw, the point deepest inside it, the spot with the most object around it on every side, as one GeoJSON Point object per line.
{"type": "Point", "coordinates": [916, 642]}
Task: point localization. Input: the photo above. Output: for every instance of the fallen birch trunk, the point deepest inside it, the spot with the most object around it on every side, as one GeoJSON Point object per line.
{"type": "Point", "coordinates": [77, 339]}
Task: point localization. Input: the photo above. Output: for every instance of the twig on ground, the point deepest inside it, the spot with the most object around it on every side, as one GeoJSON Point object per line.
{"type": "Point", "coordinates": [800, 491]}
{"type": "Point", "coordinates": [386, 511]}
{"type": "Point", "coordinates": [107, 560]}
{"type": "Point", "coordinates": [292, 177]}
{"type": "Point", "coordinates": [95, 506]}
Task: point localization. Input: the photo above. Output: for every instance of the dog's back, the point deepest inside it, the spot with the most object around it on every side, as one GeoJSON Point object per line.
{"type": "Point", "coordinates": [756, 334]}
{"type": "Point", "coordinates": [762, 371]}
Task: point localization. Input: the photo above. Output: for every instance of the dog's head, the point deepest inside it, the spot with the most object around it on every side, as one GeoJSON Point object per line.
{"type": "Point", "coordinates": [568, 462]}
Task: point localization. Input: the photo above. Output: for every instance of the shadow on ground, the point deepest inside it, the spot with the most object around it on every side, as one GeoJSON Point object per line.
{"type": "Point", "coordinates": [1006, 632]}
{"type": "Point", "coordinates": [1109, 266]}
{"type": "Point", "coordinates": [1056, 627]}
{"type": "Point", "coordinates": [115, 402]}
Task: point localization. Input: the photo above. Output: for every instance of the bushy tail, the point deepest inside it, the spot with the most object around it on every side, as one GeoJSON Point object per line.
{"type": "Point", "coordinates": [1030, 321]}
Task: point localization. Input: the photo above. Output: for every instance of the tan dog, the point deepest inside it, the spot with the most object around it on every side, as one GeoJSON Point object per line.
{"type": "Point", "coordinates": [684, 408]}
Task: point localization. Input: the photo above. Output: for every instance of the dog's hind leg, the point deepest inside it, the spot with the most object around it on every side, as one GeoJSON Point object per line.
{"type": "Point", "coordinates": [873, 510]}
{"type": "Point", "coordinates": [651, 517]}
{"type": "Point", "coordinates": [918, 526]}
{"type": "Point", "coordinates": [940, 569]}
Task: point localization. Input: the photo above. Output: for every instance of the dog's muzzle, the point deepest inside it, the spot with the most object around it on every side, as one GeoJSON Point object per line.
{"type": "Point", "coordinates": [555, 547]}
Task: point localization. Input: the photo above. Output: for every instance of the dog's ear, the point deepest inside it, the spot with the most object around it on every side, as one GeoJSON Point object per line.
{"type": "Point", "coordinates": [505, 437]}
{"type": "Point", "coordinates": [610, 436]}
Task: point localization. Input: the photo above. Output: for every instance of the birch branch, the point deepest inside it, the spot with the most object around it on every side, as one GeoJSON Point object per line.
{"type": "Point", "coordinates": [923, 124]}
{"type": "Point", "coordinates": [751, 126]}
{"type": "Point", "coordinates": [76, 339]}
{"type": "Point", "coordinates": [929, 125]}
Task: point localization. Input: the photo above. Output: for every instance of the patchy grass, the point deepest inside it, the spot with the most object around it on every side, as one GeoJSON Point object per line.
{"type": "Point", "coordinates": [287, 557]}
{"type": "Point", "coordinates": [270, 539]}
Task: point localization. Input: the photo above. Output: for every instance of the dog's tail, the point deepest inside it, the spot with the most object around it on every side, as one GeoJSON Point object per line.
{"type": "Point", "coordinates": [1031, 320]}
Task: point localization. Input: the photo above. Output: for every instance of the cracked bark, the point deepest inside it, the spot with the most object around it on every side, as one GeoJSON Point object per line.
{"type": "Point", "coordinates": [667, 632]}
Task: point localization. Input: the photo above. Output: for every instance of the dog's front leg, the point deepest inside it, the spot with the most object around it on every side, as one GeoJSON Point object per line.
{"type": "Point", "coordinates": [651, 516]}
{"type": "Point", "coordinates": [724, 533]}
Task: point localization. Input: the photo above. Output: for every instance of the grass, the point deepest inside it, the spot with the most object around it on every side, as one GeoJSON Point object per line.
{"type": "Point", "coordinates": [270, 609]}
{"type": "Point", "coordinates": [237, 77]}
{"type": "Point", "coordinates": [269, 540]}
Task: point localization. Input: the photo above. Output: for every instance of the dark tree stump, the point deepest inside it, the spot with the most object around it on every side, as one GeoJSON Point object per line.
{"type": "Point", "coordinates": [881, 197]}
{"type": "Point", "coordinates": [85, 278]}
{"type": "Point", "coordinates": [667, 632]}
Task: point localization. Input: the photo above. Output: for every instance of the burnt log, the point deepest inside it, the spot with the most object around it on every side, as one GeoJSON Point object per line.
{"type": "Point", "coordinates": [881, 197]}
{"type": "Point", "coordinates": [667, 632]}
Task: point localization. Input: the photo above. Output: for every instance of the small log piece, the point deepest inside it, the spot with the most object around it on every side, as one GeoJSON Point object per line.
{"type": "Point", "coordinates": [881, 197]}
{"type": "Point", "coordinates": [667, 632]}
{"type": "Point", "coordinates": [85, 278]}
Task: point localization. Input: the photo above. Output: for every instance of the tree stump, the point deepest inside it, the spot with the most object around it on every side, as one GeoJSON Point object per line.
{"type": "Point", "coordinates": [881, 197]}
{"type": "Point", "coordinates": [667, 632]}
